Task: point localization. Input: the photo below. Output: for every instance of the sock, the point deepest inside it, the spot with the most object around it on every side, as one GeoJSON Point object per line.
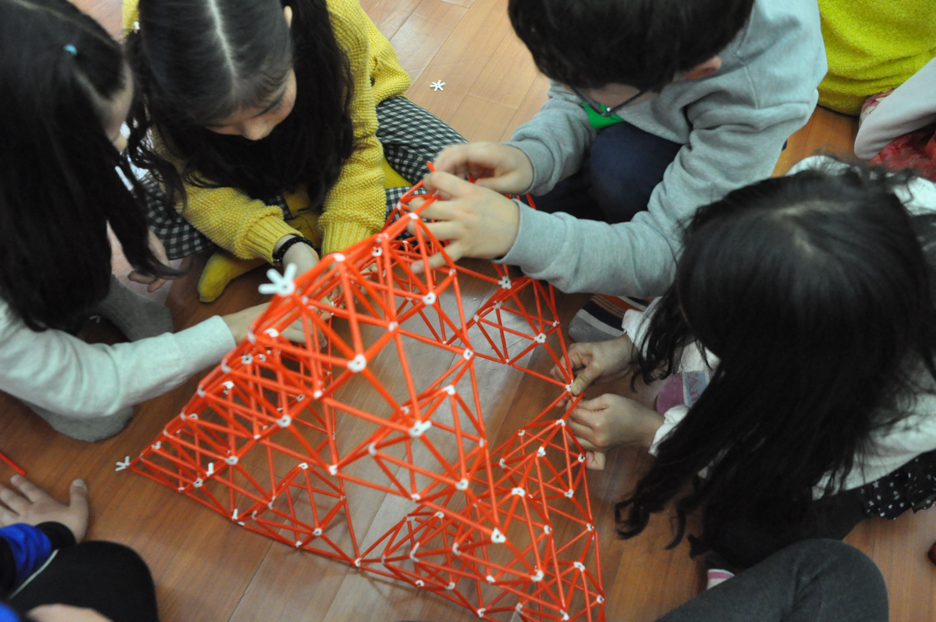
{"type": "Point", "coordinates": [135, 316]}
{"type": "Point", "coordinates": [221, 269]}
{"type": "Point", "coordinates": [717, 576]}
{"type": "Point", "coordinates": [85, 428]}
{"type": "Point", "coordinates": [600, 319]}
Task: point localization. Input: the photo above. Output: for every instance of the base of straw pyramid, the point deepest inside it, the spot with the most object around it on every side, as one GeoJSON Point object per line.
{"type": "Point", "coordinates": [280, 436]}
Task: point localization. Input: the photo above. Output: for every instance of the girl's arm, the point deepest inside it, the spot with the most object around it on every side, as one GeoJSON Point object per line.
{"type": "Point", "coordinates": [61, 373]}
{"type": "Point", "coordinates": [356, 205]}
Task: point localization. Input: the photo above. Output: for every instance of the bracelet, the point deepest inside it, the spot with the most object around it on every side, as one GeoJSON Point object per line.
{"type": "Point", "coordinates": [285, 246]}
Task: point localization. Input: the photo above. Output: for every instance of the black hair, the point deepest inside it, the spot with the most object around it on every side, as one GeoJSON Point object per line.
{"type": "Point", "coordinates": [641, 43]}
{"type": "Point", "coordinates": [59, 179]}
{"type": "Point", "coordinates": [814, 291]}
{"type": "Point", "coordinates": [199, 61]}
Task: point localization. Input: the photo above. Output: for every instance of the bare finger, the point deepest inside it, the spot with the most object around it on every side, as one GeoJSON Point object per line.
{"type": "Point", "coordinates": [8, 517]}
{"type": "Point", "coordinates": [438, 260]}
{"type": "Point", "coordinates": [447, 184]}
{"type": "Point", "coordinates": [595, 460]}
{"type": "Point", "coordinates": [13, 501]}
{"type": "Point", "coordinates": [29, 490]}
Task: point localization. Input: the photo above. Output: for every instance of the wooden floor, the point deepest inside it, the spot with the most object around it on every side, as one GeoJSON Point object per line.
{"type": "Point", "coordinates": [209, 570]}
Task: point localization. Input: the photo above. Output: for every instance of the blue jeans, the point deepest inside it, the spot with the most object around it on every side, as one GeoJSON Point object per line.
{"type": "Point", "coordinates": [615, 182]}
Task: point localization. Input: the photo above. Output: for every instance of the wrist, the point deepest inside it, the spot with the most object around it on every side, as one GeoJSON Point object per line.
{"type": "Point", "coordinates": [651, 424]}
{"type": "Point", "coordinates": [294, 246]}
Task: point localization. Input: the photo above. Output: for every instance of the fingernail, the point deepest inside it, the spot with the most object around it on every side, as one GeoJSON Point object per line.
{"type": "Point", "coordinates": [80, 483]}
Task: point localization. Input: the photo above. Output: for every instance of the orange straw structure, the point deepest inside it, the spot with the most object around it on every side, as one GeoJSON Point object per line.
{"type": "Point", "coordinates": [383, 394]}
{"type": "Point", "coordinates": [11, 464]}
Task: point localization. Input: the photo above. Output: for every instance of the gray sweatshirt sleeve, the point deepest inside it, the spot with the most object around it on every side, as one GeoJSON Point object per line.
{"type": "Point", "coordinates": [727, 149]}
{"type": "Point", "coordinates": [556, 139]}
{"type": "Point", "coordinates": [588, 256]}
{"type": "Point", "coordinates": [62, 373]}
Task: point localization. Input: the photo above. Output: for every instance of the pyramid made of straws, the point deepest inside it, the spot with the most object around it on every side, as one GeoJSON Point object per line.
{"type": "Point", "coordinates": [295, 440]}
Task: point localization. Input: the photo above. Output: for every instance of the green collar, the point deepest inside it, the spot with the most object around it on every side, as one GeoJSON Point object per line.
{"type": "Point", "coordinates": [597, 121]}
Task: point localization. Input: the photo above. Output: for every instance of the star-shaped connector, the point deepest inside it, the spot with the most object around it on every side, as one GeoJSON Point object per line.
{"type": "Point", "coordinates": [437, 85]}
{"type": "Point", "coordinates": [281, 284]}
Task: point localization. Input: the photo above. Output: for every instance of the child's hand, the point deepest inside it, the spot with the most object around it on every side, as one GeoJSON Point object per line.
{"type": "Point", "coordinates": [598, 362]}
{"type": "Point", "coordinates": [612, 421]}
{"type": "Point", "coordinates": [303, 255]}
{"type": "Point", "coordinates": [239, 324]}
{"type": "Point", "coordinates": [500, 167]}
{"type": "Point", "coordinates": [478, 222]}
{"type": "Point", "coordinates": [65, 613]}
{"type": "Point", "coordinates": [34, 505]}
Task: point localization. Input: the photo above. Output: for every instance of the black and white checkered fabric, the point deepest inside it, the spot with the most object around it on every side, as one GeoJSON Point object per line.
{"type": "Point", "coordinates": [411, 137]}
{"type": "Point", "coordinates": [179, 237]}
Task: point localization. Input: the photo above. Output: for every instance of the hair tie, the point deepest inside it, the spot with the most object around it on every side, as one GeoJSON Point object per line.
{"type": "Point", "coordinates": [71, 49]}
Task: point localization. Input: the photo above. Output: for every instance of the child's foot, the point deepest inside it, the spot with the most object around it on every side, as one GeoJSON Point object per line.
{"type": "Point", "coordinates": [717, 576]}
{"type": "Point", "coordinates": [718, 570]}
{"type": "Point", "coordinates": [221, 269]}
{"type": "Point", "coordinates": [135, 316]}
{"type": "Point", "coordinates": [600, 319]}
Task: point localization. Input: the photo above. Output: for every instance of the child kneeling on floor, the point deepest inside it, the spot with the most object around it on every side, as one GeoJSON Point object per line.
{"type": "Point", "coordinates": [62, 182]}
{"type": "Point", "coordinates": [656, 107]}
{"type": "Point", "coordinates": [809, 297]}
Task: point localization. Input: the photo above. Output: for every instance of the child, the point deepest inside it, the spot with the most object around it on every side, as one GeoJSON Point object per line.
{"type": "Point", "coordinates": [67, 90]}
{"type": "Point", "coordinates": [814, 293]}
{"type": "Point", "coordinates": [47, 574]}
{"type": "Point", "coordinates": [272, 125]}
{"type": "Point", "coordinates": [656, 107]}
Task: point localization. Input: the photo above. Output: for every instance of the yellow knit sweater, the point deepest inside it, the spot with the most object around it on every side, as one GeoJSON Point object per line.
{"type": "Point", "coordinates": [872, 46]}
{"type": "Point", "coordinates": [355, 206]}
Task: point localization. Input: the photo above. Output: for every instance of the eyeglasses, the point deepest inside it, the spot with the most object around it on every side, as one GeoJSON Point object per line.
{"type": "Point", "coordinates": [603, 111]}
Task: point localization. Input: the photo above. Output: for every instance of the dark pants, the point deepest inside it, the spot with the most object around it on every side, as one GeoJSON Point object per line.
{"type": "Point", "coordinates": [106, 577]}
{"type": "Point", "coordinates": [743, 543]}
{"type": "Point", "coordinates": [615, 182]}
{"type": "Point", "coordinates": [811, 581]}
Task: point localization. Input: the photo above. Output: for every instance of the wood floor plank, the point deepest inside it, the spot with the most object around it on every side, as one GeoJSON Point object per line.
{"type": "Point", "coordinates": [826, 132]}
{"type": "Point", "coordinates": [476, 126]}
{"type": "Point", "coordinates": [424, 32]}
{"type": "Point", "coordinates": [389, 15]}
{"type": "Point", "coordinates": [462, 58]}
{"type": "Point", "coordinates": [532, 102]}
{"type": "Point", "coordinates": [507, 77]}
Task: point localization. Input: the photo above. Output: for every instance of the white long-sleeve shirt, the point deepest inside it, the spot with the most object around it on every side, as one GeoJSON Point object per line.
{"type": "Point", "coordinates": [62, 373]}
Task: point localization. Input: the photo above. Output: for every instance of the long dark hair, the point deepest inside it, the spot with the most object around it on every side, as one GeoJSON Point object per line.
{"type": "Point", "coordinates": [815, 293]}
{"type": "Point", "coordinates": [199, 61]}
{"type": "Point", "coordinates": [59, 179]}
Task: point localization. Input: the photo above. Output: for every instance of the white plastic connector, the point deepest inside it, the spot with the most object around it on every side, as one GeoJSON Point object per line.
{"type": "Point", "coordinates": [357, 364]}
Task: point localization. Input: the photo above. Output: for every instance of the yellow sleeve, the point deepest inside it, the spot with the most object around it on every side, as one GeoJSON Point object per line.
{"type": "Point", "coordinates": [356, 204]}
{"type": "Point", "coordinates": [246, 227]}
{"type": "Point", "coordinates": [130, 13]}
